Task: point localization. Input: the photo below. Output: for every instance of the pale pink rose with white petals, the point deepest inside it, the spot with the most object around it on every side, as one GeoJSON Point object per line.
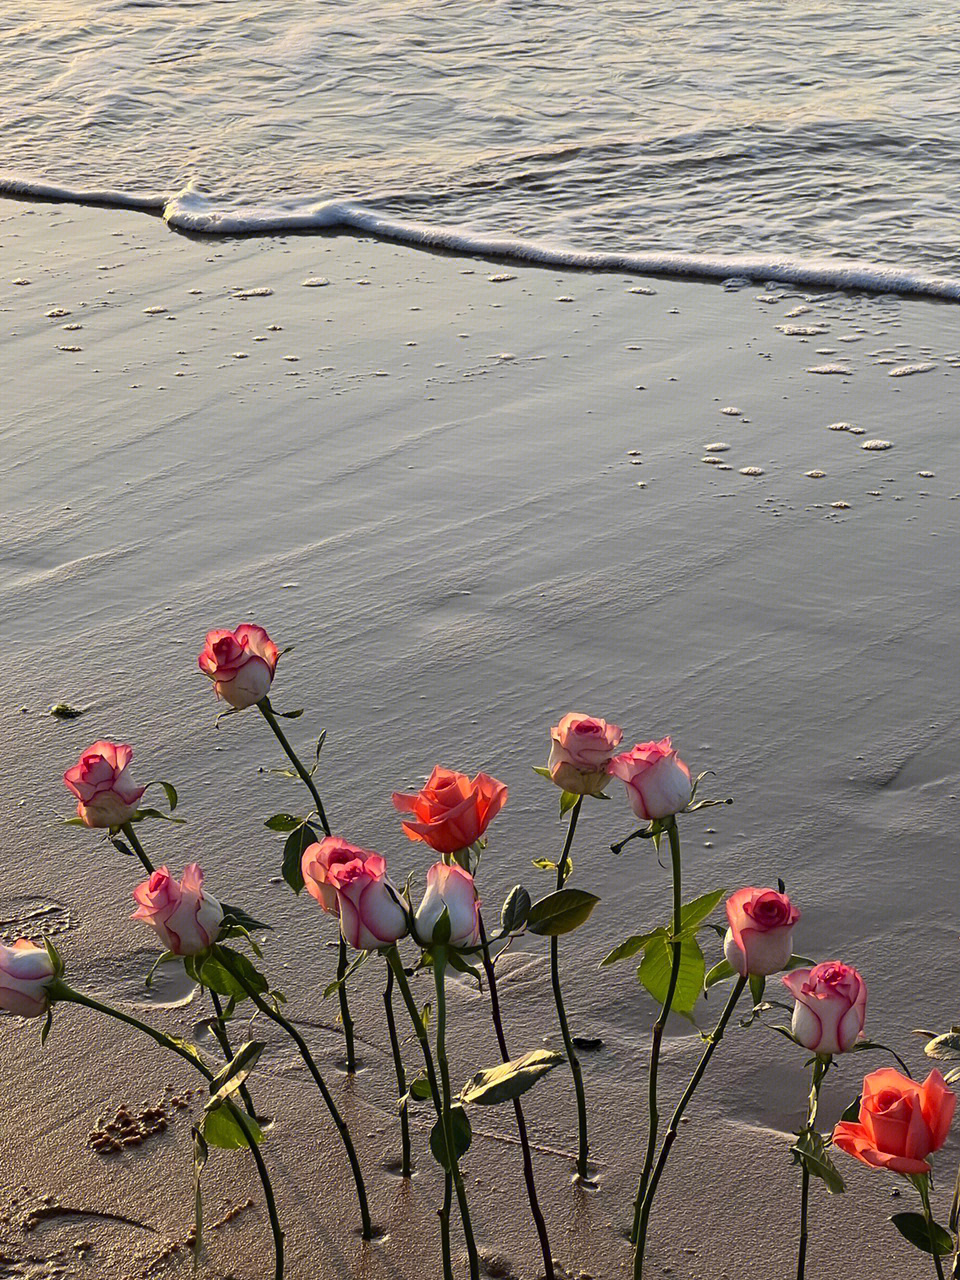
{"type": "Point", "coordinates": [831, 1005]}
{"type": "Point", "coordinates": [451, 888]}
{"type": "Point", "coordinates": [658, 782]}
{"type": "Point", "coordinates": [240, 663]}
{"type": "Point", "coordinates": [184, 918]}
{"type": "Point", "coordinates": [580, 752]}
{"type": "Point", "coordinates": [26, 972]}
{"type": "Point", "coordinates": [371, 914]}
{"type": "Point", "coordinates": [105, 795]}
{"type": "Point", "coordinates": [760, 938]}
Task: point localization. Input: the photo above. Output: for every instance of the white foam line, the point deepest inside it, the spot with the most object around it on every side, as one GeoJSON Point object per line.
{"type": "Point", "coordinates": [191, 212]}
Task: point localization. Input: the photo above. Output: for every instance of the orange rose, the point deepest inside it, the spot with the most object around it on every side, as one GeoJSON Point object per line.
{"type": "Point", "coordinates": [451, 811]}
{"type": "Point", "coordinates": [900, 1123]}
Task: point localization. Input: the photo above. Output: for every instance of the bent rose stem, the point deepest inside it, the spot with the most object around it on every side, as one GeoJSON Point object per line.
{"type": "Point", "coordinates": [658, 1027]}
{"type": "Point", "coordinates": [563, 870]}
{"type": "Point", "coordinates": [923, 1186]}
{"type": "Point", "coordinates": [673, 1129]}
{"type": "Point", "coordinates": [392, 957]}
{"type": "Point", "coordinates": [266, 710]}
{"type": "Point", "coordinates": [446, 1118]}
{"type": "Point", "coordinates": [61, 991]}
{"type": "Point", "coordinates": [517, 1108]}
{"type": "Point", "coordinates": [265, 1008]}
{"type": "Point", "coordinates": [401, 1076]}
{"type": "Point", "coordinates": [821, 1066]}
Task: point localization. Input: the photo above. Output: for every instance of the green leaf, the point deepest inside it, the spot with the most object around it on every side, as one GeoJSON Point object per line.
{"type": "Point", "coordinates": [945, 1048]}
{"type": "Point", "coordinates": [510, 1079]}
{"type": "Point", "coordinates": [456, 961]}
{"type": "Point", "coordinates": [568, 800]}
{"type": "Point", "coordinates": [293, 849]}
{"type": "Point", "coordinates": [236, 915]}
{"type": "Point", "coordinates": [155, 813]}
{"type": "Point", "coordinates": [758, 984]}
{"type": "Point", "coordinates": [695, 912]}
{"type": "Point", "coordinates": [545, 864]}
{"type": "Point", "coordinates": [228, 1081]}
{"type": "Point", "coordinates": [169, 790]}
{"type": "Point", "coordinates": [420, 1089]}
{"type": "Point", "coordinates": [221, 1128]}
{"type": "Point", "coordinates": [188, 1047]}
{"type": "Point", "coordinates": [810, 1150]}
{"type": "Point", "coordinates": [913, 1227]}
{"type": "Point", "coordinates": [654, 972]}
{"type": "Point", "coordinates": [462, 1137]}
{"type": "Point", "coordinates": [630, 946]}
{"type": "Point", "coordinates": [166, 957]}
{"type": "Point", "coordinates": [719, 973]}
{"type": "Point", "coordinates": [515, 910]}
{"type": "Point", "coordinates": [852, 1113]}
{"type": "Point", "coordinates": [561, 912]}
{"type": "Point", "coordinates": [283, 822]}
{"type": "Point", "coordinates": [351, 968]}
{"type": "Point", "coordinates": [289, 715]}
{"type": "Point", "coordinates": [212, 974]}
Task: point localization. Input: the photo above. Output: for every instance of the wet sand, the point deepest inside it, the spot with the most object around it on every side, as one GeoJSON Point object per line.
{"type": "Point", "coordinates": [472, 496]}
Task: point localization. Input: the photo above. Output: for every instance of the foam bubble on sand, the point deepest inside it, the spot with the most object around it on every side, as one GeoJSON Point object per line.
{"type": "Point", "coordinates": [501, 277]}
{"type": "Point", "coordinates": [751, 471]}
{"type": "Point", "coordinates": [314, 282]}
{"type": "Point", "coordinates": [815, 475]}
{"type": "Point", "coordinates": [841, 506]}
{"type": "Point", "coordinates": [260, 292]}
{"type": "Point", "coordinates": [840, 369]}
{"type": "Point", "coordinates": [802, 330]}
{"type": "Point", "coordinates": [718, 446]}
{"type": "Point", "coordinates": [905, 370]}
{"type": "Point", "coordinates": [877, 446]}
{"type": "Point", "coordinates": [926, 475]}
{"type": "Point", "coordinates": [732, 412]}
{"type": "Point", "coordinates": [711, 460]}
{"type": "Point", "coordinates": [154, 311]}
{"type": "Point", "coordinates": [639, 288]}
{"type": "Point", "coordinates": [56, 313]}
{"type": "Point", "coordinates": [800, 310]}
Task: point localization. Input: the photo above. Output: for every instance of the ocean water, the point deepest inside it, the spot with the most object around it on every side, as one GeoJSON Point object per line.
{"type": "Point", "coordinates": [814, 140]}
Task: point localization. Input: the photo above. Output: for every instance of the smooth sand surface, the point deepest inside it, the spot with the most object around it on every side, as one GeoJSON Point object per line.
{"type": "Point", "coordinates": [420, 475]}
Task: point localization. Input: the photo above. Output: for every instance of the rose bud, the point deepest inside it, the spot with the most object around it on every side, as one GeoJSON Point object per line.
{"type": "Point", "coordinates": [452, 811]}
{"type": "Point", "coordinates": [184, 918]}
{"type": "Point", "coordinates": [831, 1004]}
{"type": "Point", "coordinates": [105, 795]}
{"type": "Point", "coordinates": [26, 972]}
{"type": "Point", "coordinates": [371, 914]}
{"type": "Point", "coordinates": [240, 663]}
{"type": "Point", "coordinates": [580, 751]}
{"type": "Point", "coordinates": [760, 938]}
{"type": "Point", "coordinates": [317, 863]}
{"type": "Point", "coordinates": [657, 780]}
{"type": "Point", "coordinates": [900, 1123]}
{"type": "Point", "coordinates": [450, 888]}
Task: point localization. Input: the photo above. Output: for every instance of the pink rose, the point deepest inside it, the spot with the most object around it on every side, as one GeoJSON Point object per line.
{"type": "Point", "coordinates": [831, 1005]}
{"type": "Point", "coordinates": [580, 751]}
{"type": "Point", "coordinates": [26, 972]}
{"type": "Point", "coordinates": [184, 918]}
{"type": "Point", "coordinates": [451, 811]}
{"type": "Point", "coordinates": [760, 938]}
{"type": "Point", "coordinates": [658, 782]}
{"type": "Point", "coordinates": [105, 795]}
{"type": "Point", "coordinates": [900, 1123]}
{"type": "Point", "coordinates": [240, 663]}
{"type": "Point", "coordinates": [317, 864]}
{"type": "Point", "coordinates": [371, 914]}
{"type": "Point", "coordinates": [452, 888]}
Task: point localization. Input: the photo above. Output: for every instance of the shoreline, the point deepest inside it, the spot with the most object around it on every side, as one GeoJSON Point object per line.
{"type": "Point", "coordinates": [473, 503]}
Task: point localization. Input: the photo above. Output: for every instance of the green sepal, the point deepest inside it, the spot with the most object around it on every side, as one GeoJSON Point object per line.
{"type": "Point", "coordinates": [546, 864]}
{"type": "Point", "coordinates": [294, 845]}
{"type": "Point", "coordinates": [462, 1137]}
{"type": "Point", "coordinates": [165, 957]}
{"type": "Point", "coordinates": [914, 1227]}
{"type": "Point", "coordinates": [719, 973]}
{"type": "Point", "coordinates": [543, 771]}
{"type": "Point", "coordinates": [456, 961]}
{"type": "Point", "coordinates": [758, 985]}
{"type": "Point", "coordinates": [561, 912]}
{"type": "Point", "coordinates": [509, 1080]}
{"type": "Point", "coordinates": [798, 962]}
{"type": "Point", "coordinates": [46, 1028]}
{"type": "Point", "coordinates": [156, 813]}
{"type": "Point", "coordinates": [441, 930]}
{"type": "Point", "coordinates": [810, 1150]}
{"type": "Point", "coordinates": [289, 715]}
{"type": "Point", "coordinates": [568, 801]}
{"type": "Point", "coordinates": [55, 958]}
{"type": "Point", "coordinates": [851, 1114]}
{"type": "Point", "coordinates": [169, 790]}
{"type": "Point", "coordinates": [73, 822]}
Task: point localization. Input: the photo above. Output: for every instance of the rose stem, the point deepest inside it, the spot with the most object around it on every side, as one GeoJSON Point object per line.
{"type": "Point", "coordinates": [671, 1135]}
{"type": "Point", "coordinates": [267, 712]}
{"type": "Point", "coordinates": [658, 1027]}
{"type": "Point", "coordinates": [820, 1067]}
{"type": "Point", "coordinates": [923, 1186]}
{"type": "Point", "coordinates": [563, 870]}
{"type": "Point", "coordinates": [392, 957]}
{"type": "Point", "coordinates": [439, 967]}
{"type": "Point", "coordinates": [220, 1025]}
{"type": "Point", "coordinates": [137, 847]}
{"type": "Point", "coordinates": [518, 1110]}
{"type": "Point", "coordinates": [63, 992]}
{"type": "Point", "coordinates": [401, 1076]}
{"type": "Point", "coordinates": [277, 1017]}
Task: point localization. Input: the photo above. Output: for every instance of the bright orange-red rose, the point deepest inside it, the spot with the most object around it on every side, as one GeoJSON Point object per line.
{"type": "Point", "coordinates": [451, 811]}
{"type": "Point", "coordinates": [900, 1123]}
